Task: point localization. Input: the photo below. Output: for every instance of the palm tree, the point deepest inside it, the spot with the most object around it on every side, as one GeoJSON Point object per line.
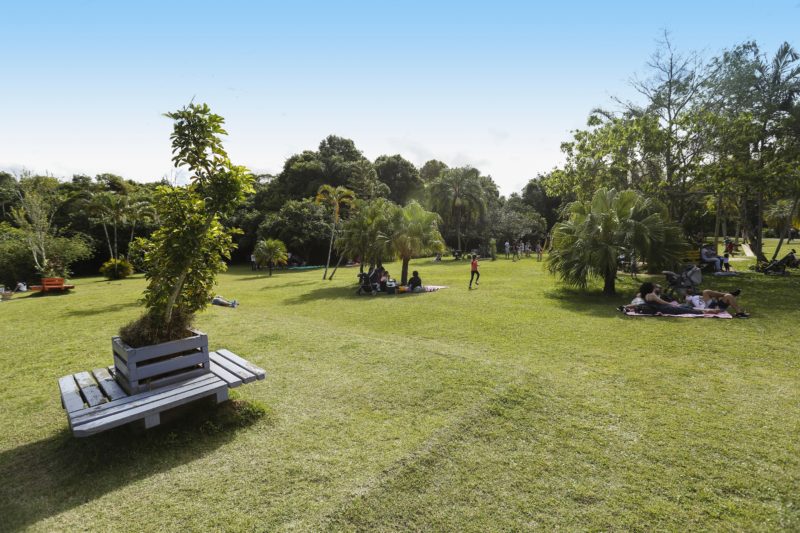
{"type": "Point", "coordinates": [456, 195]}
{"type": "Point", "coordinates": [415, 231]}
{"type": "Point", "coordinates": [271, 252]}
{"type": "Point", "coordinates": [590, 242]}
{"type": "Point", "coordinates": [362, 234]}
{"type": "Point", "coordinates": [136, 212]}
{"type": "Point", "coordinates": [335, 198]}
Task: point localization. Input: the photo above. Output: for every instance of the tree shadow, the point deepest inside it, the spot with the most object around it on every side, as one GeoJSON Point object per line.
{"type": "Point", "coordinates": [53, 475]}
{"type": "Point", "coordinates": [326, 293]}
{"type": "Point", "coordinates": [591, 302]}
{"type": "Point", "coordinates": [101, 310]}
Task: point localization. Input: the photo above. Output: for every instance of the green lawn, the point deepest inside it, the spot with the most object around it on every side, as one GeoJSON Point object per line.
{"type": "Point", "coordinates": [516, 406]}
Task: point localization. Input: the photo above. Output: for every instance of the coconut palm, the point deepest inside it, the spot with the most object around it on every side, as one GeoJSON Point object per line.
{"type": "Point", "coordinates": [335, 198]}
{"type": "Point", "coordinates": [589, 243]}
{"type": "Point", "coordinates": [414, 232]}
{"type": "Point", "coordinates": [456, 195]}
{"type": "Point", "coordinates": [271, 252]}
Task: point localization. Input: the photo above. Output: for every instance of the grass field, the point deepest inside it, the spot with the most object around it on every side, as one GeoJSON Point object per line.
{"type": "Point", "coordinates": [516, 406]}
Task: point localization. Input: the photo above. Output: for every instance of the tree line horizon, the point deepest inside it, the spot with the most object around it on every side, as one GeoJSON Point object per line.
{"type": "Point", "coordinates": [715, 142]}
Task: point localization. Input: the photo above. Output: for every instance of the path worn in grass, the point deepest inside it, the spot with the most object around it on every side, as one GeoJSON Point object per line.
{"type": "Point", "coordinates": [515, 406]}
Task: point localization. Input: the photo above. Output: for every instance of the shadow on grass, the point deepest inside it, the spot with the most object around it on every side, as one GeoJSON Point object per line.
{"type": "Point", "coordinates": [586, 302]}
{"type": "Point", "coordinates": [101, 310]}
{"type": "Point", "coordinates": [48, 477]}
{"type": "Point", "coordinates": [326, 293]}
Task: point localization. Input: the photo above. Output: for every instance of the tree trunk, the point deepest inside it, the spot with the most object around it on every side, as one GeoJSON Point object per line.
{"type": "Point", "coordinates": [717, 221]}
{"type": "Point", "coordinates": [404, 273]}
{"type": "Point", "coordinates": [269, 266]}
{"type": "Point", "coordinates": [759, 236]}
{"type": "Point", "coordinates": [609, 288]}
{"type": "Point", "coordinates": [108, 240]}
{"type": "Point", "coordinates": [458, 229]}
{"type": "Point", "coordinates": [339, 262]}
{"type": "Point", "coordinates": [786, 228]}
{"type": "Point", "coordinates": [330, 249]}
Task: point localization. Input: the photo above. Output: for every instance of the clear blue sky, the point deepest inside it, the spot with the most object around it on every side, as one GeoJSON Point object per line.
{"type": "Point", "coordinates": [498, 85]}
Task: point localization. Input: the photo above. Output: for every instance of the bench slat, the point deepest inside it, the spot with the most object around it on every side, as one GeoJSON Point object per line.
{"type": "Point", "coordinates": [154, 405]}
{"type": "Point", "coordinates": [70, 394]}
{"type": "Point", "coordinates": [137, 400]}
{"type": "Point", "coordinates": [89, 389]}
{"type": "Point", "coordinates": [233, 368]}
{"type": "Point", "coordinates": [247, 365]}
{"type": "Point", "coordinates": [108, 385]}
{"type": "Point", "coordinates": [231, 379]}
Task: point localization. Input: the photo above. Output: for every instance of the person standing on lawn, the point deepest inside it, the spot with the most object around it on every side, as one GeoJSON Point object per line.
{"type": "Point", "coordinates": [474, 274]}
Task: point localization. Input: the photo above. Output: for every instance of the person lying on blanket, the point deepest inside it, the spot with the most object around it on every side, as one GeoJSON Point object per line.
{"type": "Point", "coordinates": [650, 295]}
{"type": "Point", "coordinates": [722, 301]}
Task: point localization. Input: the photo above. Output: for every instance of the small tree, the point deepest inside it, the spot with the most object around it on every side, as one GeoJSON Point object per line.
{"type": "Point", "coordinates": [415, 231]}
{"type": "Point", "coordinates": [52, 252]}
{"type": "Point", "coordinates": [183, 257]}
{"type": "Point", "coordinates": [271, 252]}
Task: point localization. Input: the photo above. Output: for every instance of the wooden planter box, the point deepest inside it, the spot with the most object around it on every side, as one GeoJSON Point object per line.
{"type": "Point", "coordinates": [149, 367]}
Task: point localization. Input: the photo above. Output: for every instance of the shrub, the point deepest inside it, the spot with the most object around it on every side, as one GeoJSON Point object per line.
{"type": "Point", "coordinates": [116, 269]}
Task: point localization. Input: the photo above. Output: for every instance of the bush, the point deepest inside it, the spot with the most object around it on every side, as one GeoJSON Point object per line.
{"type": "Point", "coordinates": [16, 262]}
{"type": "Point", "coordinates": [116, 269]}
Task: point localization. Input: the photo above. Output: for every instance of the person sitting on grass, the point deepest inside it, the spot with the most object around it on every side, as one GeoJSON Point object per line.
{"type": "Point", "coordinates": [415, 283]}
{"type": "Point", "coordinates": [724, 300]}
{"type": "Point", "coordinates": [219, 300]}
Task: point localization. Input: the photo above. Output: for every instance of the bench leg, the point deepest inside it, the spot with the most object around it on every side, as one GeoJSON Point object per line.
{"type": "Point", "coordinates": [222, 396]}
{"type": "Point", "coordinates": [152, 420]}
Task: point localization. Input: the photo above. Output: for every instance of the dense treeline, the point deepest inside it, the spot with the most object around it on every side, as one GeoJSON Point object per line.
{"type": "Point", "coordinates": [717, 142]}
{"type": "Point", "coordinates": [713, 146]}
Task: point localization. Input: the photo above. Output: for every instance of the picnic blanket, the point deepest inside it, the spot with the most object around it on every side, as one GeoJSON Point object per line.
{"type": "Point", "coordinates": [724, 314]}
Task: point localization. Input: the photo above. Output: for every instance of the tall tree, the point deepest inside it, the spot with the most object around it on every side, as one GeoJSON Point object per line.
{"type": "Point", "coordinates": [458, 195]}
{"type": "Point", "coordinates": [335, 198]}
{"type": "Point", "coordinates": [431, 170]}
{"type": "Point", "coordinates": [400, 175]}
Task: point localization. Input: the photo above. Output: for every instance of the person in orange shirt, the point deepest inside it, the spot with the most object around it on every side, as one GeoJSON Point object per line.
{"type": "Point", "coordinates": [474, 274]}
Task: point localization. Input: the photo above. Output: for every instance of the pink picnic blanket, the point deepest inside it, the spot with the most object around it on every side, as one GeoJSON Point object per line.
{"type": "Point", "coordinates": [724, 314]}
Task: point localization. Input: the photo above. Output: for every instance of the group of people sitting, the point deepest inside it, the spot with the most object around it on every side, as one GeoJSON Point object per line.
{"type": "Point", "coordinates": [649, 300]}
{"type": "Point", "coordinates": [708, 254]}
{"type": "Point", "coordinates": [380, 280]}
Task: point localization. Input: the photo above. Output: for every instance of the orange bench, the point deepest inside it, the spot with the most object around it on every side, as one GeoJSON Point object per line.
{"type": "Point", "coordinates": [52, 284]}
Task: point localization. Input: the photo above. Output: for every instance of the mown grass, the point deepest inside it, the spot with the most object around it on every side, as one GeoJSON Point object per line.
{"type": "Point", "coordinates": [519, 405]}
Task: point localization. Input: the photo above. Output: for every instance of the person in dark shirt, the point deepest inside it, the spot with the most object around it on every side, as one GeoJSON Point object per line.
{"type": "Point", "coordinates": [415, 283]}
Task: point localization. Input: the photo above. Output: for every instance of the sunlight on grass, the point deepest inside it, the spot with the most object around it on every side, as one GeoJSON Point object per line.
{"type": "Point", "coordinates": [521, 404]}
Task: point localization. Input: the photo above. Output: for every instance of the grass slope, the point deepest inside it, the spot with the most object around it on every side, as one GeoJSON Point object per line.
{"type": "Point", "coordinates": [519, 405]}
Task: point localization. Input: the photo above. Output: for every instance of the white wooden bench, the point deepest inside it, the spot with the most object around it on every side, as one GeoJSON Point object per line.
{"type": "Point", "coordinates": [95, 402]}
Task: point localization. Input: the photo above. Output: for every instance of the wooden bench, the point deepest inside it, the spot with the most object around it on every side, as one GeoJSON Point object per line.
{"type": "Point", "coordinates": [52, 284]}
{"type": "Point", "coordinates": [95, 402]}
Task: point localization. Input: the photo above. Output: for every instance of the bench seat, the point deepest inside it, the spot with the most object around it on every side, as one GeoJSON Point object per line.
{"type": "Point", "coordinates": [95, 402]}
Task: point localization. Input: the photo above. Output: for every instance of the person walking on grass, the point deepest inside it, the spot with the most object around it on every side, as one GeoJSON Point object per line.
{"type": "Point", "coordinates": [474, 274]}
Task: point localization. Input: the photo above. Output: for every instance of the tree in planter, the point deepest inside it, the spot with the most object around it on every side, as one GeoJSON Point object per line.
{"type": "Point", "coordinates": [590, 242]}
{"type": "Point", "coordinates": [335, 198]}
{"type": "Point", "coordinates": [183, 256]}
{"type": "Point", "coordinates": [414, 232]}
{"type": "Point", "coordinates": [271, 252]}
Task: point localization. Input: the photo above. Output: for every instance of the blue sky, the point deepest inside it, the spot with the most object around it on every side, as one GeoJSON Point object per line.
{"type": "Point", "coordinates": [498, 85]}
